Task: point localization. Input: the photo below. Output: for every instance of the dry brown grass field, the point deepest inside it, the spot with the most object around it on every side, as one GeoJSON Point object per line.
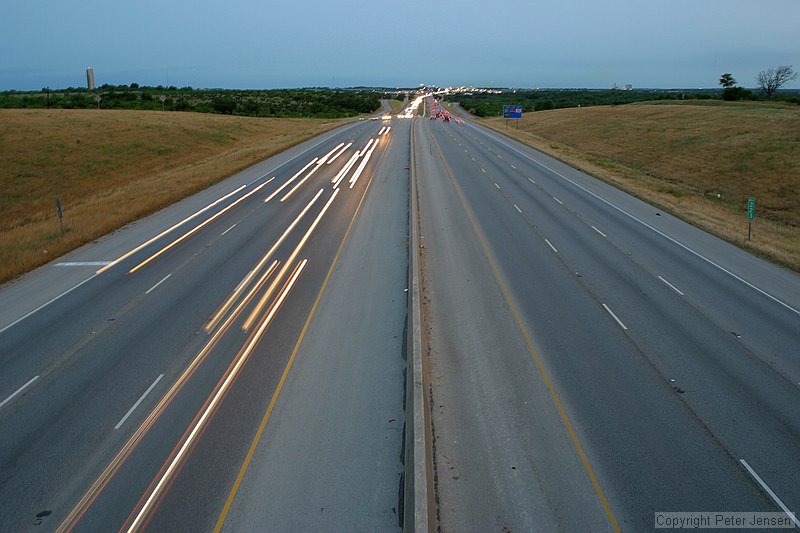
{"type": "Point", "coordinates": [112, 167]}
{"type": "Point", "coordinates": [700, 161]}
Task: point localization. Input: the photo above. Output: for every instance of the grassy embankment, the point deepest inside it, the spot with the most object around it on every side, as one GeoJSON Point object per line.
{"type": "Point", "coordinates": [697, 160]}
{"type": "Point", "coordinates": [397, 106]}
{"type": "Point", "coordinates": [112, 167]}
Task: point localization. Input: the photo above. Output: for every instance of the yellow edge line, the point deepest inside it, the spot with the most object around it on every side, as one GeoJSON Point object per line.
{"type": "Point", "coordinates": [273, 401]}
{"type": "Point", "coordinates": [532, 349]}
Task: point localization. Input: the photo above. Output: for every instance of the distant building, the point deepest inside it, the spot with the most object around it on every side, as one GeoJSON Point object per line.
{"type": "Point", "coordinates": [90, 78]}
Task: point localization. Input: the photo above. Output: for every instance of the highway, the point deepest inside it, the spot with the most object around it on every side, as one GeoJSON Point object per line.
{"type": "Point", "coordinates": [592, 360]}
{"type": "Point", "coordinates": [238, 361]}
{"type": "Point", "coordinates": [140, 372]}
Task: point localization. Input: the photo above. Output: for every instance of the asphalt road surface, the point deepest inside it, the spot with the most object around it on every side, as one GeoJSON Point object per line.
{"type": "Point", "coordinates": [237, 361]}
{"type": "Point", "coordinates": [594, 361]}
{"type": "Point", "coordinates": [153, 378]}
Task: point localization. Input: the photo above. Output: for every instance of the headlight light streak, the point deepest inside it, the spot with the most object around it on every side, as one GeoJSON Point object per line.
{"type": "Point", "coordinates": [326, 156]}
{"type": "Point", "coordinates": [340, 152]}
{"type": "Point", "coordinates": [337, 179]}
{"type": "Point", "coordinates": [360, 169]}
{"type": "Point", "coordinates": [108, 473]}
{"type": "Point", "coordinates": [242, 284]}
{"type": "Point", "coordinates": [185, 220]}
{"type": "Point", "coordinates": [239, 289]}
{"type": "Point", "coordinates": [343, 173]}
{"type": "Point", "coordinates": [197, 228]}
{"type": "Point", "coordinates": [299, 172]}
{"type": "Point", "coordinates": [103, 479]}
{"type": "Point", "coordinates": [292, 257]}
{"type": "Point", "coordinates": [209, 408]}
{"type": "Point", "coordinates": [302, 181]}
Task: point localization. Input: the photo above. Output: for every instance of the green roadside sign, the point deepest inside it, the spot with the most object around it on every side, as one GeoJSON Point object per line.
{"type": "Point", "coordinates": [751, 208]}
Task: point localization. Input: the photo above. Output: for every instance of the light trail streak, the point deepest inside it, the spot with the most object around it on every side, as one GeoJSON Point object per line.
{"type": "Point", "coordinates": [239, 289]}
{"type": "Point", "coordinates": [300, 183]}
{"type": "Point", "coordinates": [257, 310]}
{"type": "Point", "coordinates": [326, 156]}
{"type": "Point", "coordinates": [197, 228]}
{"type": "Point", "coordinates": [242, 284]}
{"type": "Point", "coordinates": [122, 455]}
{"type": "Point", "coordinates": [337, 179]}
{"type": "Point", "coordinates": [273, 195]}
{"type": "Point", "coordinates": [211, 406]}
{"type": "Point", "coordinates": [331, 160]}
{"type": "Point", "coordinates": [174, 226]}
{"type": "Point", "coordinates": [360, 169]}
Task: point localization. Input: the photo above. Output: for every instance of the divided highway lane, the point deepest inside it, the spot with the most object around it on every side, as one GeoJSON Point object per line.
{"type": "Point", "coordinates": [333, 441]}
{"type": "Point", "coordinates": [679, 379]}
{"type": "Point", "coordinates": [100, 386]}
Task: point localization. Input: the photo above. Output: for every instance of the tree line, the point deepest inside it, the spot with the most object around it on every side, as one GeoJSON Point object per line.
{"type": "Point", "coordinates": [769, 82]}
{"type": "Point", "coordinates": [283, 103]}
{"type": "Point", "coordinates": [489, 104]}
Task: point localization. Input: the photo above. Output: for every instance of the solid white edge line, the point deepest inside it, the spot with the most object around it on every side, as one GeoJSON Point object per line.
{"type": "Point", "coordinates": [671, 286]}
{"type": "Point", "coordinates": [18, 391]}
{"type": "Point", "coordinates": [140, 400]}
{"type": "Point", "coordinates": [610, 312]}
{"type": "Point", "coordinates": [645, 224]}
{"type": "Point", "coordinates": [151, 289]}
{"type": "Point", "coordinates": [17, 321]}
{"type": "Point", "coordinates": [774, 496]}
{"type": "Point", "coordinates": [551, 245]}
{"type": "Point", "coordinates": [600, 232]}
{"type": "Point", "coordinates": [82, 263]}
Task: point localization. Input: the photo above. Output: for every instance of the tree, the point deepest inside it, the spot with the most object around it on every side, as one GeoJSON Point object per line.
{"type": "Point", "coordinates": [731, 94]}
{"type": "Point", "coordinates": [773, 79]}
{"type": "Point", "coordinates": [727, 80]}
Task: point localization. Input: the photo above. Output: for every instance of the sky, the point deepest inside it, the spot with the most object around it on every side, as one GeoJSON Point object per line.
{"type": "Point", "coordinates": [262, 44]}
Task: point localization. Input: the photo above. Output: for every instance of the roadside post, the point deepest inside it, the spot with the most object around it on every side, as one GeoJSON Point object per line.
{"type": "Point", "coordinates": [512, 111]}
{"type": "Point", "coordinates": [751, 213]}
{"type": "Point", "coordinates": [60, 215]}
